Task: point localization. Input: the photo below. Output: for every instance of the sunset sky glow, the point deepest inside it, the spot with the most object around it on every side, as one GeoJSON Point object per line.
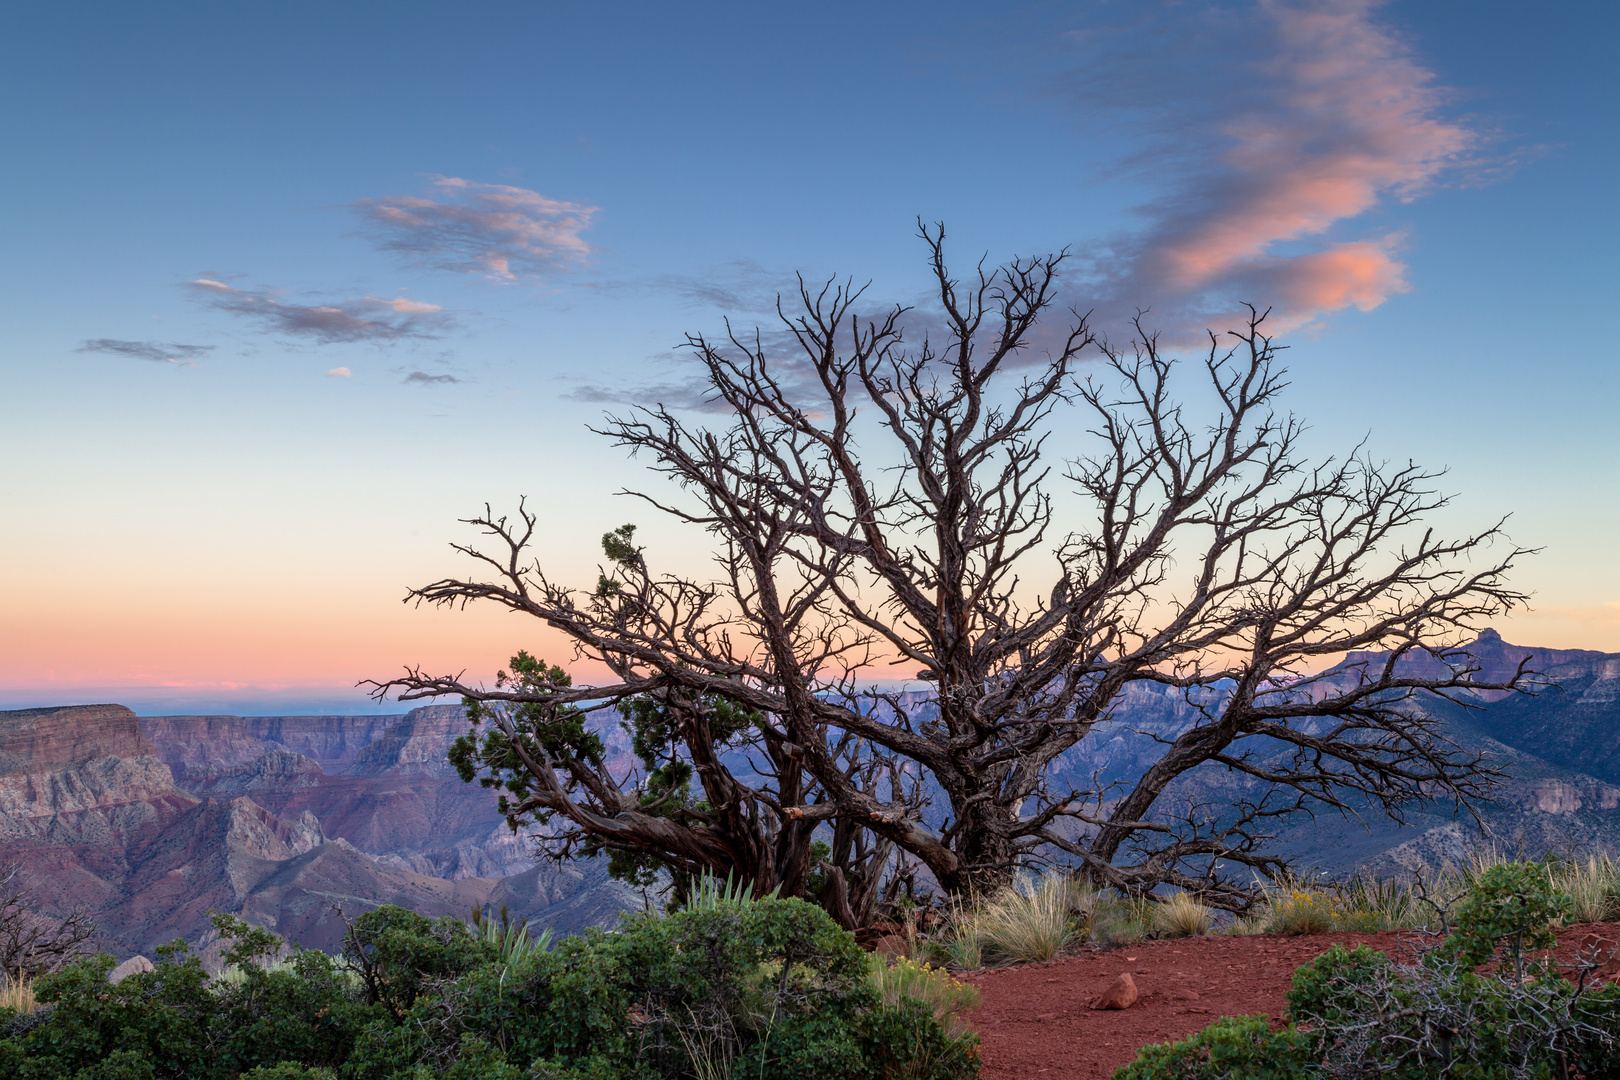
{"type": "Point", "coordinates": [293, 288]}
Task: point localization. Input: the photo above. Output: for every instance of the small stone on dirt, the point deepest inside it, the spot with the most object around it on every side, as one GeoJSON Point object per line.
{"type": "Point", "coordinates": [1121, 994]}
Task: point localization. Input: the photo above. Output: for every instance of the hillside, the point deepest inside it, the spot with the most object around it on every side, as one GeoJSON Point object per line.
{"type": "Point", "coordinates": [151, 823]}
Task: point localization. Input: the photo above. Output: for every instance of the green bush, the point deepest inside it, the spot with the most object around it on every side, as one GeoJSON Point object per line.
{"type": "Point", "coordinates": [768, 988]}
{"type": "Point", "coordinates": [1233, 1047]}
{"type": "Point", "coordinates": [397, 953]}
{"type": "Point", "coordinates": [1512, 907]}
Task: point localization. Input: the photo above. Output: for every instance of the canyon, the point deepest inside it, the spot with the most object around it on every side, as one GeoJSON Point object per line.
{"type": "Point", "coordinates": [295, 823]}
{"type": "Point", "coordinates": [300, 823]}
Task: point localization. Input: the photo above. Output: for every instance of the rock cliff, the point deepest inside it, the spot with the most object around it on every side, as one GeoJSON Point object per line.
{"type": "Point", "coordinates": [152, 823]}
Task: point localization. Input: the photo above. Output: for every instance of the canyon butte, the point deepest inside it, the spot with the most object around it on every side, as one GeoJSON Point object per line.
{"type": "Point", "coordinates": [299, 823]}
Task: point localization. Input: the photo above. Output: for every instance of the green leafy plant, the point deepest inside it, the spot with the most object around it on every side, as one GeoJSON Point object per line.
{"type": "Point", "coordinates": [1512, 907]}
{"type": "Point", "coordinates": [948, 997]}
{"type": "Point", "coordinates": [1231, 1048]}
{"type": "Point", "coordinates": [397, 953]}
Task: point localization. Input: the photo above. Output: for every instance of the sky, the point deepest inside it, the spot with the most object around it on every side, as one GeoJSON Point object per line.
{"type": "Point", "coordinates": [291, 289]}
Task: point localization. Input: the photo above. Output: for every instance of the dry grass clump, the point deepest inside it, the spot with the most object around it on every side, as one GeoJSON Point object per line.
{"type": "Point", "coordinates": [17, 995]}
{"type": "Point", "coordinates": [1029, 921]}
{"type": "Point", "coordinates": [1594, 886]}
{"type": "Point", "coordinates": [962, 944]}
{"type": "Point", "coordinates": [1182, 916]}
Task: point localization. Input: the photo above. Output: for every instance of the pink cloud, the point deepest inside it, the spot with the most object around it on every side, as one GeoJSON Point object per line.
{"type": "Point", "coordinates": [1271, 161]}
{"type": "Point", "coordinates": [366, 319]}
{"type": "Point", "coordinates": [505, 232]}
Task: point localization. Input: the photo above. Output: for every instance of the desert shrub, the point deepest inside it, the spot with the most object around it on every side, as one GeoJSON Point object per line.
{"type": "Point", "coordinates": [1511, 907]}
{"type": "Point", "coordinates": [1182, 916]}
{"type": "Point", "coordinates": [177, 1022]}
{"type": "Point", "coordinates": [397, 953]}
{"type": "Point", "coordinates": [297, 1011]}
{"type": "Point", "coordinates": [1302, 911]}
{"type": "Point", "coordinates": [772, 987]}
{"type": "Point", "coordinates": [1230, 1048]}
{"type": "Point", "coordinates": [1480, 1006]}
{"type": "Point", "coordinates": [949, 998]}
{"type": "Point", "coordinates": [287, 1070]}
{"type": "Point", "coordinates": [162, 1017]}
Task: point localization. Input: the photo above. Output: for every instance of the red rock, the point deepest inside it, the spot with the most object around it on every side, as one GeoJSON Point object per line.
{"type": "Point", "coordinates": [1121, 994]}
{"type": "Point", "coordinates": [1601, 950]}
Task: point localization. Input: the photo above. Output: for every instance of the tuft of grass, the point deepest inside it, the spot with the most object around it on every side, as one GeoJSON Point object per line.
{"type": "Point", "coordinates": [962, 943]}
{"type": "Point", "coordinates": [1303, 911]}
{"type": "Point", "coordinates": [17, 995]}
{"type": "Point", "coordinates": [1182, 916]}
{"type": "Point", "coordinates": [1594, 886]}
{"type": "Point", "coordinates": [1368, 903]}
{"type": "Point", "coordinates": [948, 997]}
{"type": "Point", "coordinates": [1029, 921]}
{"type": "Point", "coordinates": [1122, 920]}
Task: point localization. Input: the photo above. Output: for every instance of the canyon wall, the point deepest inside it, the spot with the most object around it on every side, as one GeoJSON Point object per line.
{"type": "Point", "coordinates": [293, 822]}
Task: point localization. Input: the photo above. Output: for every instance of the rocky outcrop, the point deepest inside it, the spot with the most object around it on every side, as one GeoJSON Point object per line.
{"type": "Point", "coordinates": [275, 770]}
{"type": "Point", "coordinates": [384, 784]}
{"type": "Point", "coordinates": [135, 965]}
{"type": "Point", "coordinates": [81, 775]}
{"type": "Point", "coordinates": [1559, 796]}
{"type": "Point", "coordinates": [216, 741]}
{"type": "Point", "coordinates": [152, 824]}
{"type": "Point", "coordinates": [418, 745]}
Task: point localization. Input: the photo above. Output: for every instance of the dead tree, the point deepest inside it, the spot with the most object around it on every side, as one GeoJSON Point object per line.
{"type": "Point", "coordinates": [32, 943]}
{"type": "Point", "coordinates": [873, 503]}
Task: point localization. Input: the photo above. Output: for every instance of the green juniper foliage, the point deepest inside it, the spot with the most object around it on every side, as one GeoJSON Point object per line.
{"type": "Point", "coordinates": [762, 988]}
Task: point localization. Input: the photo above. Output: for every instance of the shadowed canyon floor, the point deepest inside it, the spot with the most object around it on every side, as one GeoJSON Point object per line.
{"type": "Point", "coordinates": [1037, 1020]}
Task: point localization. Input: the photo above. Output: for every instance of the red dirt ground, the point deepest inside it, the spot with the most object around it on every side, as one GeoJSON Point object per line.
{"type": "Point", "coordinates": [1035, 1020]}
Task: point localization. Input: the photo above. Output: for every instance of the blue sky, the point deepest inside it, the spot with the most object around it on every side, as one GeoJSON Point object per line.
{"type": "Point", "coordinates": [489, 218]}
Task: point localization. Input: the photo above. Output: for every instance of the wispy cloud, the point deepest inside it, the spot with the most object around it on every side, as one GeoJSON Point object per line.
{"type": "Point", "coordinates": [422, 378]}
{"type": "Point", "coordinates": [368, 318]}
{"type": "Point", "coordinates": [160, 352]}
{"type": "Point", "coordinates": [339, 373]}
{"type": "Point", "coordinates": [693, 393]}
{"type": "Point", "coordinates": [1274, 127]}
{"type": "Point", "coordinates": [508, 233]}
